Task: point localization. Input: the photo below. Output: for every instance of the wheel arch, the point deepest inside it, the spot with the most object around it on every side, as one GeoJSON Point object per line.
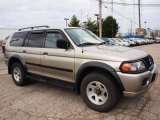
{"type": "Point", "coordinates": [97, 66]}
{"type": "Point", "coordinates": [15, 59]}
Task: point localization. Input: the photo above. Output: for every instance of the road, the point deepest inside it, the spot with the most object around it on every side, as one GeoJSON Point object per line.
{"type": "Point", "coordinates": [40, 101]}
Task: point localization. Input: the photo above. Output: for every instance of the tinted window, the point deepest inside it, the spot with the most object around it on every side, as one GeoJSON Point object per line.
{"type": "Point", "coordinates": [18, 38]}
{"type": "Point", "coordinates": [35, 40]}
{"type": "Point", "coordinates": [51, 39]}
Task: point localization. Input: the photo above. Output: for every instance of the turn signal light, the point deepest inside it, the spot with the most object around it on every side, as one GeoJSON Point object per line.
{"type": "Point", "coordinates": [126, 67]}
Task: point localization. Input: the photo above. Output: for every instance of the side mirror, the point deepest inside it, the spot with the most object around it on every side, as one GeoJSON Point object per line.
{"type": "Point", "coordinates": [63, 44]}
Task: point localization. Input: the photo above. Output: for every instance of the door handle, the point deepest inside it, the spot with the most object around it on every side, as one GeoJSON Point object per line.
{"type": "Point", "coordinates": [24, 51]}
{"type": "Point", "coordinates": [45, 53]}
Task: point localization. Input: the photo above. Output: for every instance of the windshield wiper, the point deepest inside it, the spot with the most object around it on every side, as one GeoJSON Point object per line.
{"type": "Point", "coordinates": [102, 43]}
{"type": "Point", "coordinates": [87, 43]}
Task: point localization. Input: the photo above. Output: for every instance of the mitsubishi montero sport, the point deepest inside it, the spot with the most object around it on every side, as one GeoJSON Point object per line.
{"type": "Point", "coordinates": [75, 58]}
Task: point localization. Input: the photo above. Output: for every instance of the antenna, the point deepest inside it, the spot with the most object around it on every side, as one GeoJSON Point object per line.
{"type": "Point", "coordinates": [82, 32]}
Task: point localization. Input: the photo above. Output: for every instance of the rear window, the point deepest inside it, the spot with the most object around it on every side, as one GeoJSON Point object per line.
{"type": "Point", "coordinates": [18, 38]}
{"type": "Point", "coordinates": [35, 39]}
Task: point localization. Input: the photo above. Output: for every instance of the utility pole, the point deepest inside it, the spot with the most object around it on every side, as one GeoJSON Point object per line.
{"type": "Point", "coordinates": [100, 18]}
{"type": "Point", "coordinates": [158, 31]}
{"type": "Point", "coordinates": [139, 12]}
{"type": "Point", "coordinates": [131, 27]}
{"type": "Point", "coordinates": [112, 20]}
{"type": "Point", "coordinates": [97, 15]}
{"type": "Point", "coordinates": [112, 8]}
{"type": "Point", "coordinates": [66, 19]}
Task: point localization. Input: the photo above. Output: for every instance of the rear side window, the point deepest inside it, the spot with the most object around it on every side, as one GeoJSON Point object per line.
{"type": "Point", "coordinates": [18, 38]}
{"type": "Point", "coordinates": [35, 39]}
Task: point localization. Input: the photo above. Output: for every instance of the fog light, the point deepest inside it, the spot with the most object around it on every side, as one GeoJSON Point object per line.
{"type": "Point", "coordinates": [145, 82]}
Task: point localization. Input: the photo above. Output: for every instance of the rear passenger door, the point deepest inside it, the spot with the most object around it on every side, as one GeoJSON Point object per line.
{"type": "Point", "coordinates": [32, 50]}
{"type": "Point", "coordinates": [57, 63]}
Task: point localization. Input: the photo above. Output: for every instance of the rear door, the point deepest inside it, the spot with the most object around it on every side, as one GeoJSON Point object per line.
{"type": "Point", "coordinates": [32, 50]}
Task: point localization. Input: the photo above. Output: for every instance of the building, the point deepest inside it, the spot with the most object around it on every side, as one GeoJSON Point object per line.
{"type": "Point", "coordinates": [141, 31]}
{"type": "Point", "coordinates": [4, 32]}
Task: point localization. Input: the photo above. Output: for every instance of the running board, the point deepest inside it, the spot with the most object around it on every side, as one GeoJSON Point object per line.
{"type": "Point", "coordinates": [57, 82]}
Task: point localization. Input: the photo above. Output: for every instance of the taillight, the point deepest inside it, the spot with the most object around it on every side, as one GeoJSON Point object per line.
{"type": "Point", "coordinates": [3, 49]}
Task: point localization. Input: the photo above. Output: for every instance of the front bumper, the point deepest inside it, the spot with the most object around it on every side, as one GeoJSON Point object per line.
{"type": "Point", "coordinates": [134, 83]}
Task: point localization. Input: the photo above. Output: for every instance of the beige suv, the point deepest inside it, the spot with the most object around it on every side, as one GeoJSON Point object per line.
{"type": "Point", "coordinates": [77, 59]}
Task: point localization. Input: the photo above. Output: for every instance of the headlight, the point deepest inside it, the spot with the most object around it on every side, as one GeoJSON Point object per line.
{"type": "Point", "coordinates": [133, 67]}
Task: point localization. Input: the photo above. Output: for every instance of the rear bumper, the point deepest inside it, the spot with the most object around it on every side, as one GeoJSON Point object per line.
{"type": "Point", "coordinates": [137, 84]}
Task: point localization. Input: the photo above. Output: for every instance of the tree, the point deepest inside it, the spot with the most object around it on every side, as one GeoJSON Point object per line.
{"type": "Point", "coordinates": [110, 27]}
{"type": "Point", "coordinates": [91, 25]}
{"type": "Point", "coordinates": [74, 22]}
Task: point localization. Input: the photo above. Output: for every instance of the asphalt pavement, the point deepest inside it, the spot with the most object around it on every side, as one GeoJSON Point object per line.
{"type": "Point", "coordinates": [40, 101]}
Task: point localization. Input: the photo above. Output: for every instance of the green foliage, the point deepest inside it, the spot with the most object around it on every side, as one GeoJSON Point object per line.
{"type": "Point", "coordinates": [74, 22]}
{"type": "Point", "coordinates": [110, 27]}
{"type": "Point", "coordinates": [91, 25]}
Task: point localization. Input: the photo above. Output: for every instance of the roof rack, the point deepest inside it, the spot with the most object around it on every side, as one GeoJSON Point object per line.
{"type": "Point", "coordinates": [33, 27]}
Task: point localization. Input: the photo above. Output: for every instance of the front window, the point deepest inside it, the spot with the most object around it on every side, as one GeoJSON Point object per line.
{"type": "Point", "coordinates": [83, 37]}
{"type": "Point", "coordinates": [52, 38]}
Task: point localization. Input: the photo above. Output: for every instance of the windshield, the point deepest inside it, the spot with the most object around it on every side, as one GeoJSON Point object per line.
{"type": "Point", "coordinates": [83, 37]}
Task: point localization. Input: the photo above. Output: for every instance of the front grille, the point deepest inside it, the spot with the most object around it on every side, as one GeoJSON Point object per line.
{"type": "Point", "coordinates": [148, 61]}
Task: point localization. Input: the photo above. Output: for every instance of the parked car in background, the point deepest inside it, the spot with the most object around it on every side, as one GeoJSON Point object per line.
{"type": "Point", "coordinates": [120, 42]}
{"type": "Point", "coordinates": [151, 40]}
{"type": "Point", "coordinates": [110, 41]}
{"type": "Point", "coordinates": [130, 42]}
{"type": "Point", "coordinates": [126, 44]}
{"type": "Point", "coordinates": [157, 40]}
{"type": "Point", "coordinates": [116, 41]}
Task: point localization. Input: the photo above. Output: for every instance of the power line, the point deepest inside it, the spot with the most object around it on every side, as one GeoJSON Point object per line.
{"type": "Point", "coordinates": [118, 13]}
{"type": "Point", "coordinates": [131, 4]}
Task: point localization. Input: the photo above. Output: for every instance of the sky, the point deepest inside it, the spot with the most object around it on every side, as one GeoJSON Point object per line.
{"type": "Point", "coordinates": [20, 13]}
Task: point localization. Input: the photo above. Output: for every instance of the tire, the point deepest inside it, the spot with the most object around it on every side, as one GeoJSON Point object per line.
{"type": "Point", "coordinates": [99, 92]}
{"type": "Point", "coordinates": [18, 74]}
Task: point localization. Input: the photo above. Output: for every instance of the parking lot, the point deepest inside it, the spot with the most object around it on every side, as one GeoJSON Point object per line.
{"type": "Point", "coordinates": [40, 101]}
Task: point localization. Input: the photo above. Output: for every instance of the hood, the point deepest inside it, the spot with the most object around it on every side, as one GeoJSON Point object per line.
{"type": "Point", "coordinates": [113, 53]}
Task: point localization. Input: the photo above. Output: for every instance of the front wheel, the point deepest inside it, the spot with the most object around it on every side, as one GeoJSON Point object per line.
{"type": "Point", "coordinates": [99, 92]}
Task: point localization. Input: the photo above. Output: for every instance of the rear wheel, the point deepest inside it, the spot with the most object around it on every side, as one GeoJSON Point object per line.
{"type": "Point", "coordinates": [18, 74]}
{"type": "Point", "coordinates": [99, 92]}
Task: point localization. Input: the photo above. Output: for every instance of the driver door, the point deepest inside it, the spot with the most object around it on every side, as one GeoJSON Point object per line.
{"type": "Point", "coordinates": [56, 62]}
